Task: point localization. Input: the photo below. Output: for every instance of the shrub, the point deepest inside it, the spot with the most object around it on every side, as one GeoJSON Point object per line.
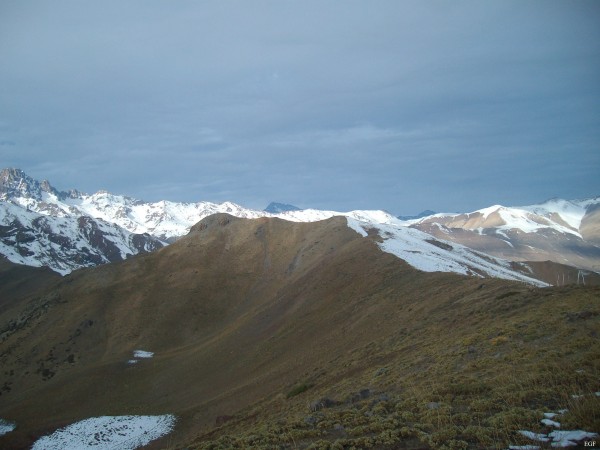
{"type": "Point", "coordinates": [298, 389]}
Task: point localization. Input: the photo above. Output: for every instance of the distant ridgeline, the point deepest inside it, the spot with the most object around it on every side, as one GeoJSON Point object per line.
{"type": "Point", "coordinates": [41, 226]}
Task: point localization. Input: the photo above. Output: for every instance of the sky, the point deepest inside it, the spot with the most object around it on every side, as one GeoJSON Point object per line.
{"type": "Point", "coordinates": [342, 105]}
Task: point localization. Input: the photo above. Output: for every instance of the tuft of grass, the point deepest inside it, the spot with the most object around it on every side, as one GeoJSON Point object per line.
{"type": "Point", "coordinates": [583, 412]}
{"type": "Point", "coordinates": [298, 389]}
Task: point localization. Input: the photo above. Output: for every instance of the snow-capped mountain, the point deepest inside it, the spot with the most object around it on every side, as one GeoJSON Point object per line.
{"type": "Point", "coordinates": [66, 243]}
{"type": "Point", "coordinates": [37, 230]}
{"type": "Point", "coordinates": [164, 220]}
{"type": "Point", "coordinates": [563, 231]}
{"type": "Point", "coordinates": [66, 230]}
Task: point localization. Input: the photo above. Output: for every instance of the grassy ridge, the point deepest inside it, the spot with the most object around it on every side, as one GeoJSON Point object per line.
{"type": "Point", "coordinates": [469, 375]}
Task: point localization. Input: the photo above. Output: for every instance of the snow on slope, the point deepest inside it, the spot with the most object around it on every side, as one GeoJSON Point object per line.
{"type": "Point", "coordinates": [164, 220]}
{"type": "Point", "coordinates": [425, 253]}
{"type": "Point", "coordinates": [571, 212]}
{"type": "Point", "coordinates": [313, 215]}
{"type": "Point", "coordinates": [563, 216]}
{"type": "Point", "coordinates": [65, 243]}
{"type": "Point", "coordinates": [417, 248]}
{"type": "Point", "coordinates": [108, 433]}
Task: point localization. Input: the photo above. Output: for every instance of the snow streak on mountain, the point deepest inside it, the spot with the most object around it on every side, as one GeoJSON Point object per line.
{"type": "Point", "coordinates": [563, 231]}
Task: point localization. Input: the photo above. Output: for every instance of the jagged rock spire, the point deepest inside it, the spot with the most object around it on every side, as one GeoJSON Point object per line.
{"type": "Point", "coordinates": [16, 183]}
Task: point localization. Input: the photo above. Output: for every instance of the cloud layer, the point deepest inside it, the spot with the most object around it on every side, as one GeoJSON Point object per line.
{"type": "Point", "coordinates": [341, 105]}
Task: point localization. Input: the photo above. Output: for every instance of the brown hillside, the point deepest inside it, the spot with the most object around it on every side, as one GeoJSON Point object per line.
{"type": "Point", "coordinates": [590, 226]}
{"type": "Point", "coordinates": [18, 281]}
{"type": "Point", "coordinates": [252, 320]}
{"type": "Point", "coordinates": [558, 274]}
{"type": "Point", "coordinates": [515, 245]}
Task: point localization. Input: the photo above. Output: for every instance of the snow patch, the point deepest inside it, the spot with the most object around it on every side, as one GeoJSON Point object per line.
{"type": "Point", "coordinates": [570, 438]}
{"type": "Point", "coordinates": [534, 436]}
{"type": "Point", "coordinates": [508, 243]}
{"type": "Point", "coordinates": [485, 212]}
{"type": "Point", "coordinates": [356, 226]}
{"type": "Point", "coordinates": [6, 426]}
{"type": "Point", "coordinates": [558, 438]}
{"type": "Point", "coordinates": [108, 432]}
{"type": "Point", "coordinates": [142, 354]}
{"type": "Point", "coordinates": [550, 423]}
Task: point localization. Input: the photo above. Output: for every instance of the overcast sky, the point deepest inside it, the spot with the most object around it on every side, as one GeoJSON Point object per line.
{"type": "Point", "coordinates": [395, 105]}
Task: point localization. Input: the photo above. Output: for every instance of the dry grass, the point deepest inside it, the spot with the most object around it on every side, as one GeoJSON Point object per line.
{"type": "Point", "coordinates": [472, 386]}
{"type": "Point", "coordinates": [243, 317]}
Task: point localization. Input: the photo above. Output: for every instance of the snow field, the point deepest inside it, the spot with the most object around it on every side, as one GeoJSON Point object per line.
{"type": "Point", "coordinates": [108, 433]}
{"type": "Point", "coordinates": [419, 249]}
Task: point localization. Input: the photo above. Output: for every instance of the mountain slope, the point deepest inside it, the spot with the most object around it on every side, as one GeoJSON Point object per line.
{"type": "Point", "coordinates": [566, 232]}
{"type": "Point", "coordinates": [251, 320]}
{"type": "Point", "coordinates": [18, 281]}
{"type": "Point", "coordinates": [65, 243]}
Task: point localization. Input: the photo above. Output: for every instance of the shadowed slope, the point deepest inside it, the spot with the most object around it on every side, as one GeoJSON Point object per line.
{"type": "Point", "coordinates": [18, 281]}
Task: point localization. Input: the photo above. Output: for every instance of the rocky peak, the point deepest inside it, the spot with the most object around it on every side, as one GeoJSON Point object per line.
{"type": "Point", "coordinates": [74, 193]}
{"type": "Point", "coordinates": [276, 208]}
{"type": "Point", "coordinates": [47, 187]}
{"type": "Point", "coordinates": [16, 183]}
{"type": "Point", "coordinates": [214, 220]}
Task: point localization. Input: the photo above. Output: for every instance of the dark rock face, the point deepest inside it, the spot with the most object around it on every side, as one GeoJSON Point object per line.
{"type": "Point", "coordinates": [97, 239]}
{"type": "Point", "coordinates": [16, 183]}
{"type": "Point", "coordinates": [276, 208]}
{"type": "Point", "coordinates": [422, 214]}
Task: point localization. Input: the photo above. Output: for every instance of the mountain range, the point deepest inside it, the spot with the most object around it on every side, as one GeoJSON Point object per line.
{"type": "Point", "coordinates": [41, 226]}
{"type": "Point", "coordinates": [567, 232]}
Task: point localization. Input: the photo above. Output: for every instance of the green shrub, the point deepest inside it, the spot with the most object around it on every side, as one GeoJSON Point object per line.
{"type": "Point", "coordinates": [298, 389]}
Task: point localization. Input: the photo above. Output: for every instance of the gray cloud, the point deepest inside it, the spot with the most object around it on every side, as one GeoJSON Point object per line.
{"type": "Point", "coordinates": [395, 105]}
